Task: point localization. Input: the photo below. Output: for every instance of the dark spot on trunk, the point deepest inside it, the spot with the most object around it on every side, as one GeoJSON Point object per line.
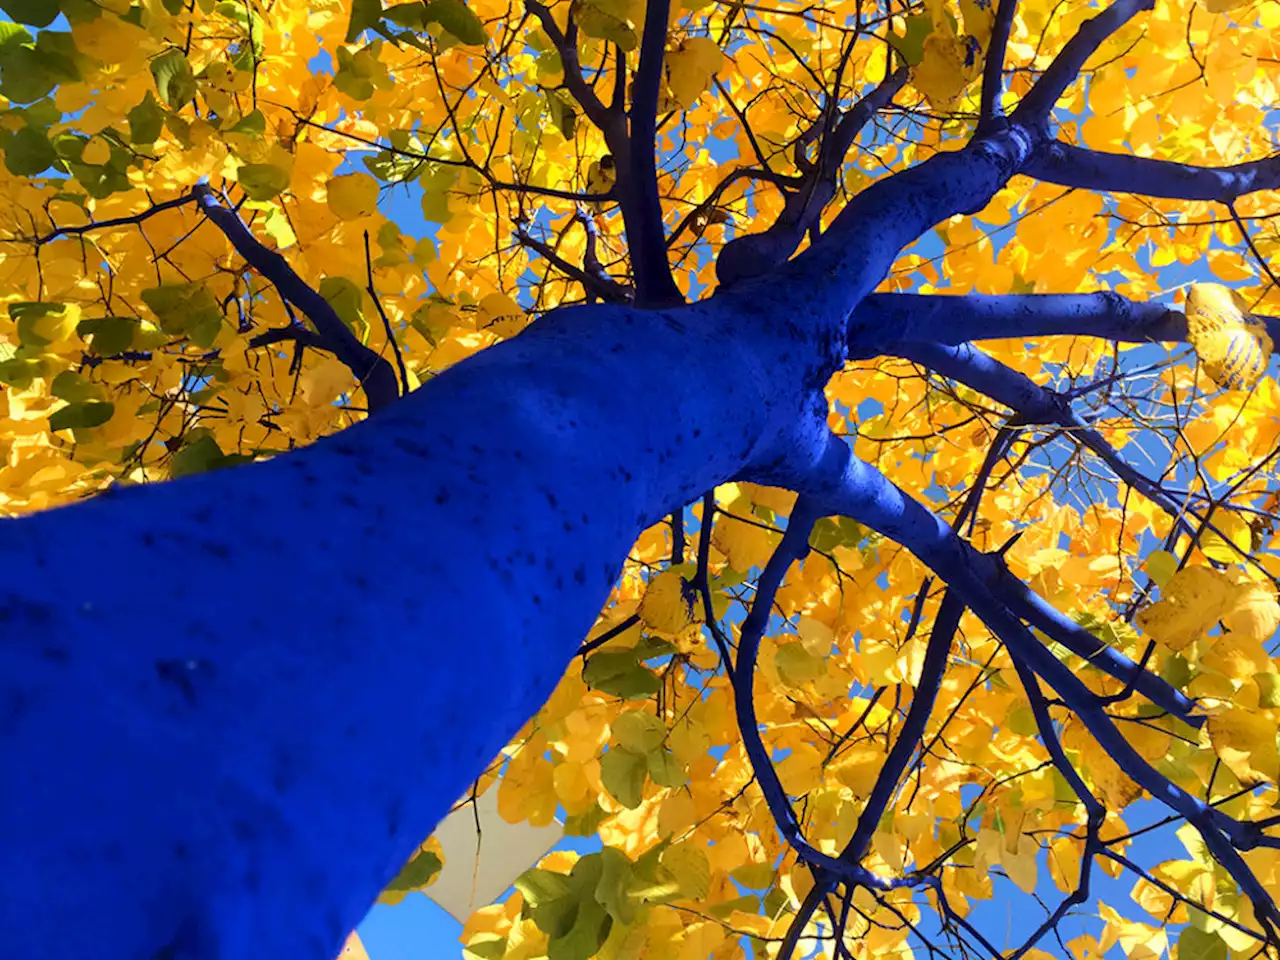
{"type": "Point", "coordinates": [21, 609]}
{"type": "Point", "coordinates": [179, 673]}
{"type": "Point", "coordinates": [55, 654]}
{"type": "Point", "coordinates": [395, 810]}
{"type": "Point", "coordinates": [285, 772]}
{"type": "Point", "coordinates": [412, 448]}
{"type": "Point", "coordinates": [219, 550]}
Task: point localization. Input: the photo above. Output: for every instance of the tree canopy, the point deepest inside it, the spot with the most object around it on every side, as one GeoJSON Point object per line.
{"type": "Point", "coordinates": [830, 703]}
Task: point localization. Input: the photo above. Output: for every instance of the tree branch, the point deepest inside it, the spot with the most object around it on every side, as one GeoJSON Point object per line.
{"type": "Point", "coordinates": [377, 377]}
{"type": "Point", "coordinates": [602, 285]}
{"type": "Point", "coordinates": [1034, 403]}
{"type": "Point", "coordinates": [976, 316]}
{"type": "Point", "coordinates": [638, 169]}
{"type": "Point", "coordinates": [582, 91]}
{"type": "Point", "coordinates": [990, 108]}
{"type": "Point", "coordinates": [1033, 112]}
{"type": "Point", "coordinates": [1070, 166]}
{"type": "Point", "coordinates": [755, 254]}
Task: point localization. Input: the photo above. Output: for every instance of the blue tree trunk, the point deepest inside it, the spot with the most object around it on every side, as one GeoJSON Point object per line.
{"type": "Point", "coordinates": [232, 705]}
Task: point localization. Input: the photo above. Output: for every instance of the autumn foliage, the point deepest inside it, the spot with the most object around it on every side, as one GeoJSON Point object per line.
{"type": "Point", "coordinates": [138, 342]}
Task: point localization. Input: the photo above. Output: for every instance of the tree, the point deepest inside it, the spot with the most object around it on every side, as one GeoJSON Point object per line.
{"type": "Point", "coordinates": [949, 611]}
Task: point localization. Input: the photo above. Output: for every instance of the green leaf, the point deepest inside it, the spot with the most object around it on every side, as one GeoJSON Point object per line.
{"type": "Point", "coordinates": [200, 455]}
{"type": "Point", "coordinates": [417, 873]}
{"type": "Point", "coordinates": [146, 120]}
{"type": "Point", "coordinates": [665, 770]}
{"type": "Point", "coordinates": [365, 15]}
{"type": "Point", "coordinates": [457, 18]}
{"type": "Point", "coordinates": [100, 181]}
{"type": "Point", "coordinates": [585, 824]}
{"type": "Point", "coordinates": [262, 181]}
{"type": "Point", "coordinates": [186, 309]}
{"type": "Point", "coordinates": [831, 532]}
{"type": "Point", "coordinates": [110, 334]}
{"type": "Point", "coordinates": [485, 946]}
{"type": "Point", "coordinates": [11, 33]}
{"type": "Point", "coordinates": [18, 372]}
{"type": "Point", "coordinates": [252, 123]}
{"type": "Point", "coordinates": [638, 731]}
{"type": "Point", "coordinates": [28, 152]}
{"type": "Point", "coordinates": [1196, 944]}
{"type": "Point", "coordinates": [604, 21]}
{"type": "Point", "coordinates": [92, 413]}
{"type": "Point", "coordinates": [542, 886]}
{"type": "Point", "coordinates": [70, 386]}
{"type": "Point", "coordinates": [911, 45]}
{"type": "Point", "coordinates": [37, 13]}
{"type": "Point", "coordinates": [413, 15]}
{"type": "Point", "coordinates": [623, 774]}
{"type": "Point", "coordinates": [590, 928]}
{"type": "Point", "coordinates": [1268, 689]}
{"type": "Point", "coordinates": [637, 683]}
{"type": "Point", "coordinates": [40, 324]}
{"type": "Point", "coordinates": [796, 665]}
{"type": "Point", "coordinates": [175, 82]}
{"type": "Point", "coordinates": [562, 113]}
{"type": "Point", "coordinates": [615, 879]}
{"type": "Point", "coordinates": [24, 74]}
{"type": "Point", "coordinates": [347, 300]}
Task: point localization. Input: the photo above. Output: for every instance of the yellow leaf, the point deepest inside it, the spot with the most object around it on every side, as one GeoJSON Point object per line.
{"type": "Point", "coordinates": [97, 151]}
{"type": "Point", "coordinates": [1160, 565]}
{"type": "Point", "coordinates": [1234, 347]}
{"type": "Point", "coordinates": [1254, 613]}
{"type": "Point", "coordinates": [858, 769]}
{"type": "Point", "coordinates": [667, 606]}
{"type": "Point", "coordinates": [501, 315]}
{"type": "Point", "coordinates": [690, 68]}
{"type": "Point", "coordinates": [1245, 741]}
{"type": "Point", "coordinates": [1021, 865]}
{"type": "Point", "coordinates": [1229, 541]}
{"type": "Point", "coordinates": [689, 867]}
{"type": "Point", "coordinates": [353, 196]}
{"type": "Point", "coordinates": [978, 19]}
{"type": "Point", "coordinates": [1111, 784]}
{"type": "Point", "coordinates": [947, 67]}
{"type": "Point", "coordinates": [325, 381]}
{"type": "Point", "coordinates": [1191, 603]}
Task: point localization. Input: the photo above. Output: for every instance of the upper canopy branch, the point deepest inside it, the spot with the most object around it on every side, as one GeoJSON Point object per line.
{"type": "Point", "coordinates": [1033, 111]}
{"type": "Point", "coordinates": [566, 44]}
{"type": "Point", "coordinates": [753, 254]}
{"type": "Point", "coordinates": [376, 375]}
{"type": "Point", "coordinates": [977, 316]}
{"type": "Point", "coordinates": [1071, 166]}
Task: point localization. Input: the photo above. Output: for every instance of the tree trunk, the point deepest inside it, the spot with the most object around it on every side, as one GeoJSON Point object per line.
{"type": "Point", "coordinates": [232, 705]}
